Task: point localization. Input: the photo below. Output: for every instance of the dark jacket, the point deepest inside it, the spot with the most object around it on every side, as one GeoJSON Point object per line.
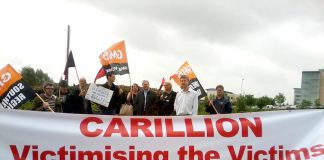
{"type": "Point", "coordinates": [115, 101]}
{"type": "Point", "coordinates": [166, 104]}
{"type": "Point", "coordinates": [223, 106]}
{"type": "Point", "coordinates": [80, 104]}
{"type": "Point", "coordinates": [151, 100]}
{"type": "Point", "coordinates": [65, 102]}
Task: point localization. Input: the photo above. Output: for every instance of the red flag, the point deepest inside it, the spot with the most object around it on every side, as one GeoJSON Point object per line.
{"type": "Point", "coordinates": [101, 73]}
{"type": "Point", "coordinates": [174, 77]}
{"type": "Point", "coordinates": [162, 83]}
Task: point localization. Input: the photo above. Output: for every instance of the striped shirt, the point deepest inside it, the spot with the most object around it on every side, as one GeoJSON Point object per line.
{"type": "Point", "coordinates": [50, 100]}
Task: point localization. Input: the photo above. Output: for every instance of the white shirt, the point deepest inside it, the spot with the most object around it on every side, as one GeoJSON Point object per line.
{"type": "Point", "coordinates": [186, 103]}
{"type": "Point", "coordinates": [145, 95]}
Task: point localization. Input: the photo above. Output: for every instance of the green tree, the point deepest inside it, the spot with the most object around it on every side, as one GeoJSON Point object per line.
{"type": "Point", "coordinates": [29, 75]}
{"type": "Point", "coordinates": [249, 100]}
{"type": "Point", "coordinates": [34, 78]}
{"type": "Point", "coordinates": [42, 77]}
{"type": "Point", "coordinates": [317, 102]}
{"type": "Point", "coordinates": [270, 101]}
{"type": "Point", "coordinates": [263, 101]}
{"type": "Point", "coordinates": [280, 99]}
{"type": "Point", "coordinates": [240, 104]}
{"type": "Point", "coordinates": [202, 106]}
{"type": "Point", "coordinates": [305, 104]}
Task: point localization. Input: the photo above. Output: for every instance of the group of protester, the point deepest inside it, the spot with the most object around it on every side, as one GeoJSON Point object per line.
{"type": "Point", "coordinates": [66, 100]}
{"type": "Point", "coordinates": [145, 101]}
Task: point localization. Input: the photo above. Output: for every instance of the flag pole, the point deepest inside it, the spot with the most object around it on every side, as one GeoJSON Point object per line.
{"type": "Point", "coordinates": [130, 80]}
{"type": "Point", "coordinates": [78, 78]}
{"type": "Point", "coordinates": [77, 74]}
{"type": "Point", "coordinates": [59, 91]}
{"type": "Point", "coordinates": [67, 53]}
{"type": "Point", "coordinates": [212, 105]}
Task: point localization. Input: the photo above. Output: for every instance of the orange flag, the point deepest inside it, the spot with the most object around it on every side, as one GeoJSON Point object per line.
{"type": "Point", "coordinates": [114, 59]}
{"type": "Point", "coordinates": [14, 91]}
{"type": "Point", "coordinates": [194, 83]}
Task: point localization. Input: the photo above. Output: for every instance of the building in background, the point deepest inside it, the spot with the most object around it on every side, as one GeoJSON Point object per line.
{"type": "Point", "coordinates": [297, 97]}
{"type": "Point", "coordinates": [211, 92]}
{"type": "Point", "coordinates": [312, 87]}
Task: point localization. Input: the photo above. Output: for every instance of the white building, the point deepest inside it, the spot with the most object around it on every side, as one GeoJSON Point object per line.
{"type": "Point", "coordinates": [211, 92]}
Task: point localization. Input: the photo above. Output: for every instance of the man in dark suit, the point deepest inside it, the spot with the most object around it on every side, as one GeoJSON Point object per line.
{"type": "Point", "coordinates": [145, 101]}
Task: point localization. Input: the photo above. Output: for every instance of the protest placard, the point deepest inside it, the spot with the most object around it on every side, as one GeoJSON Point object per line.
{"type": "Point", "coordinates": [99, 95]}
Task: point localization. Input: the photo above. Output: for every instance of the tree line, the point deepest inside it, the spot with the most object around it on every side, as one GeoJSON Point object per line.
{"type": "Point", "coordinates": [245, 103]}
{"type": "Point", "coordinates": [33, 77]}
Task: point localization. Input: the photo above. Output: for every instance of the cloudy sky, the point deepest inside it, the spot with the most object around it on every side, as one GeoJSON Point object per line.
{"type": "Point", "coordinates": [268, 43]}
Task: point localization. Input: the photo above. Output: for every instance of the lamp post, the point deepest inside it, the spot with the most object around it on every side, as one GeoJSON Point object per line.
{"type": "Point", "coordinates": [242, 87]}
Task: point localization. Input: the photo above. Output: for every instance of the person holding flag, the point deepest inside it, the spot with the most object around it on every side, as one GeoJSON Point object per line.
{"type": "Point", "coordinates": [186, 101]}
{"type": "Point", "coordinates": [221, 103]}
{"type": "Point", "coordinates": [194, 83]}
{"type": "Point", "coordinates": [47, 100]}
{"type": "Point", "coordinates": [114, 62]}
{"type": "Point", "coordinates": [64, 97]}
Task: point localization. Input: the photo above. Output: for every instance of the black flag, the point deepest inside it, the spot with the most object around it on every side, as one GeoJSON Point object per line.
{"type": "Point", "coordinates": [69, 63]}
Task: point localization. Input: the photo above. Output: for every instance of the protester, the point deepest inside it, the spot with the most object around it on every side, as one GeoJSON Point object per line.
{"type": "Point", "coordinates": [122, 99]}
{"type": "Point", "coordinates": [81, 105]}
{"type": "Point", "coordinates": [221, 103]}
{"type": "Point", "coordinates": [132, 94]}
{"type": "Point", "coordinates": [115, 101]}
{"type": "Point", "coordinates": [186, 102]}
{"type": "Point", "coordinates": [64, 98]}
{"type": "Point", "coordinates": [145, 101]}
{"type": "Point", "coordinates": [166, 100]}
{"type": "Point", "coordinates": [49, 98]}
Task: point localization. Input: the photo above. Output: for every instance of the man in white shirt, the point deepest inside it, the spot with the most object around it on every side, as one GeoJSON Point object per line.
{"type": "Point", "coordinates": [186, 102]}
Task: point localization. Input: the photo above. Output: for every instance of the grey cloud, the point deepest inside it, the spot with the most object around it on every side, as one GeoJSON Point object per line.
{"type": "Point", "coordinates": [220, 21]}
{"type": "Point", "coordinates": [143, 22]}
{"type": "Point", "coordinates": [198, 27]}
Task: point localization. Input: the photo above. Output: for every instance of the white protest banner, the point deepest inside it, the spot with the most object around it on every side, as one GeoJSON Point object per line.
{"type": "Point", "coordinates": [99, 94]}
{"type": "Point", "coordinates": [280, 135]}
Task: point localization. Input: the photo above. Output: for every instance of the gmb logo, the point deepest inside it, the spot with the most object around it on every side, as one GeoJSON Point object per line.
{"type": "Point", "coordinates": [4, 79]}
